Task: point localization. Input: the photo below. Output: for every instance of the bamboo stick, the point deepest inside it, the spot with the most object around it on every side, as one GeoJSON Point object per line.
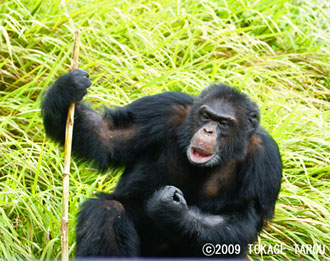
{"type": "Point", "coordinates": [67, 159]}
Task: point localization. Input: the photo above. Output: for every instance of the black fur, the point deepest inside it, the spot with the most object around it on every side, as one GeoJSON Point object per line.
{"type": "Point", "coordinates": [163, 205]}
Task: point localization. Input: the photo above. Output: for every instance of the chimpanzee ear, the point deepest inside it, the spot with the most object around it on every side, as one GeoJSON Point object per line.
{"type": "Point", "coordinates": [254, 120]}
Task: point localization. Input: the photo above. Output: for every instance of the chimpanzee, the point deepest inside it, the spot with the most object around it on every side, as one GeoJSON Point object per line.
{"type": "Point", "coordinates": [198, 170]}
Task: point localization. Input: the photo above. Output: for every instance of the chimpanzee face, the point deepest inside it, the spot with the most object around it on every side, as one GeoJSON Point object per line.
{"type": "Point", "coordinates": [216, 123]}
{"type": "Point", "coordinates": [223, 123]}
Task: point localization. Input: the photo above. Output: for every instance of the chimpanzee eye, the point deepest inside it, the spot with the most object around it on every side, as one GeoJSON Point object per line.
{"type": "Point", "coordinates": [224, 123]}
{"type": "Point", "coordinates": [205, 116]}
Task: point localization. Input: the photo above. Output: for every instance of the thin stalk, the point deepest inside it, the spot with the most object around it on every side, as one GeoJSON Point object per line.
{"type": "Point", "coordinates": [67, 159]}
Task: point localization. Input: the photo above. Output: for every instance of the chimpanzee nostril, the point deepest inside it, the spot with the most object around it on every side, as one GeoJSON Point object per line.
{"type": "Point", "coordinates": [208, 131]}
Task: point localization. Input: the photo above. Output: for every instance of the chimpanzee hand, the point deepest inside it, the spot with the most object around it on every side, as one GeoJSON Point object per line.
{"type": "Point", "coordinates": [75, 83]}
{"type": "Point", "coordinates": [167, 199]}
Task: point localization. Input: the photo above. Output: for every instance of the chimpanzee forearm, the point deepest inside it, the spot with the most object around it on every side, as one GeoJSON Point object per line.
{"type": "Point", "coordinates": [90, 132]}
{"type": "Point", "coordinates": [189, 225]}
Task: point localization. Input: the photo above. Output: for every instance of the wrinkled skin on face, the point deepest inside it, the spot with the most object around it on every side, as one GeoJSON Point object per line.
{"type": "Point", "coordinates": [203, 144]}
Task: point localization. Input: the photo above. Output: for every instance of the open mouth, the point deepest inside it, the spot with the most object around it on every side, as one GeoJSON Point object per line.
{"type": "Point", "coordinates": [199, 155]}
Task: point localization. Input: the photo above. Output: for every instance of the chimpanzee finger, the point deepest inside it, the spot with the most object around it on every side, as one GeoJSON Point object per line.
{"type": "Point", "coordinates": [179, 198]}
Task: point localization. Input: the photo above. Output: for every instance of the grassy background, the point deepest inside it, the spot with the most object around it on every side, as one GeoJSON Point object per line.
{"type": "Point", "coordinates": [276, 51]}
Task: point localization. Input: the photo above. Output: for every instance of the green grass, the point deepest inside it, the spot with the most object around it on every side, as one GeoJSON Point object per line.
{"type": "Point", "coordinates": [276, 51]}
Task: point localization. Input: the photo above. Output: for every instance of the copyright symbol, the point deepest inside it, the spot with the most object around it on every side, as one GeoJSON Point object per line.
{"type": "Point", "coordinates": [208, 249]}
